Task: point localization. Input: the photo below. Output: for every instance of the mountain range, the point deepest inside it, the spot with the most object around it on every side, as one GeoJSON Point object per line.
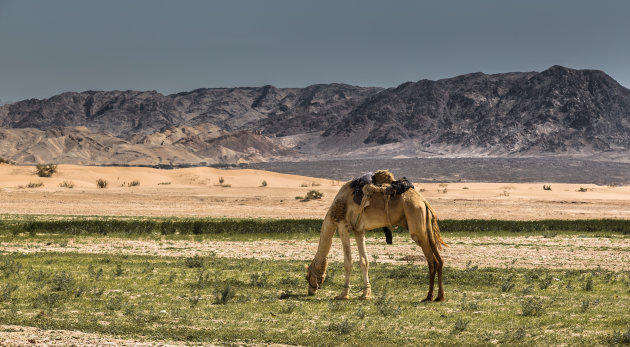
{"type": "Point", "coordinates": [556, 112]}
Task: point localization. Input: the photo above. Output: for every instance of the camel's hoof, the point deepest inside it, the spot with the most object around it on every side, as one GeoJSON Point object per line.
{"type": "Point", "coordinates": [439, 298]}
{"type": "Point", "coordinates": [427, 299]}
{"type": "Point", "coordinates": [342, 297]}
{"type": "Point", "coordinates": [365, 297]}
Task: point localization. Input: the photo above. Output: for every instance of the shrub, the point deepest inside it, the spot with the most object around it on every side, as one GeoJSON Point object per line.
{"type": "Point", "coordinates": [532, 307]}
{"type": "Point", "coordinates": [582, 190]}
{"type": "Point", "coordinates": [619, 338]}
{"type": "Point", "coordinates": [313, 195]}
{"type": "Point", "coordinates": [163, 183]}
{"type": "Point", "coordinates": [133, 184]}
{"type": "Point", "coordinates": [6, 161]}
{"type": "Point", "coordinates": [101, 183]}
{"type": "Point", "coordinates": [66, 184]}
{"type": "Point", "coordinates": [34, 185]}
{"type": "Point", "coordinates": [45, 170]}
{"type": "Point", "coordinates": [263, 184]}
{"type": "Point", "coordinates": [341, 328]}
{"type": "Point", "coordinates": [460, 325]}
{"type": "Point", "coordinates": [221, 180]}
{"type": "Point", "coordinates": [546, 187]}
{"type": "Point", "coordinates": [223, 296]}
{"type": "Point", "coordinates": [194, 262]}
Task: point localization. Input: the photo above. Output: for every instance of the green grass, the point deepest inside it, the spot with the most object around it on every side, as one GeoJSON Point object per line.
{"type": "Point", "coordinates": [69, 225]}
{"type": "Point", "coordinates": [221, 300]}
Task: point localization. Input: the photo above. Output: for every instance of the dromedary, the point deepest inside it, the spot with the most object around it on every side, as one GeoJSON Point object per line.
{"type": "Point", "coordinates": [378, 208]}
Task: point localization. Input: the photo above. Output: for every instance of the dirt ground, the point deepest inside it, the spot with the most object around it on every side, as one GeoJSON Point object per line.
{"type": "Point", "coordinates": [560, 252]}
{"type": "Point", "coordinates": [197, 192]}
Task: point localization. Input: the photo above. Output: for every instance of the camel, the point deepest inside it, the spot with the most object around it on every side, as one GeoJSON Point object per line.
{"type": "Point", "coordinates": [378, 209]}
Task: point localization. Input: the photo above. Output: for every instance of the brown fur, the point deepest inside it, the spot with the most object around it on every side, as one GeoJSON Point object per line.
{"type": "Point", "coordinates": [338, 210]}
{"type": "Point", "coordinates": [408, 209]}
{"type": "Point", "coordinates": [383, 177]}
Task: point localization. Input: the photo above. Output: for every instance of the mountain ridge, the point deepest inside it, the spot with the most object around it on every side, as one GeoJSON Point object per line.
{"type": "Point", "coordinates": [559, 111]}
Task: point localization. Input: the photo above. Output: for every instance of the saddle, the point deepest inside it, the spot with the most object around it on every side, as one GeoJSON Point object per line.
{"type": "Point", "coordinates": [381, 177]}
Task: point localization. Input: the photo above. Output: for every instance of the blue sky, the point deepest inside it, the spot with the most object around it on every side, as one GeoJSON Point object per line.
{"type": "Point", "coordinates": [49, 47]}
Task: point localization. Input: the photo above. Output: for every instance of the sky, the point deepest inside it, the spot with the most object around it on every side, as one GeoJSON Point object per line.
{"type": "Point", "coordinates": [50, 47]}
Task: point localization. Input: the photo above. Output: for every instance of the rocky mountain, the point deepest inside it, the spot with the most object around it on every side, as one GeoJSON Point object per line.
{"type": "Point", "coordinates": [559, 111]}
{"type": "Point", "coordinates": [204, 143]}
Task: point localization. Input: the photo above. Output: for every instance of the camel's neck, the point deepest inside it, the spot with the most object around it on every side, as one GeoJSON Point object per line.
{"type": "Point", "coordinates": [325, 241]}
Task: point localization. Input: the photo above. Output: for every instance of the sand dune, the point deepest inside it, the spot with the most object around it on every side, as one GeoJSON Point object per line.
{"type": "Point", "coordinates": [198, 192]}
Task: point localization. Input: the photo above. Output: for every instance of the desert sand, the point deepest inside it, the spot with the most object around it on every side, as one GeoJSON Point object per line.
{"type": "Point", "coordinates": [197, 192]}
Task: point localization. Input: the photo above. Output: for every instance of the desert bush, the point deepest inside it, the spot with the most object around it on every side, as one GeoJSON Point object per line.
{"type": "Point", "coordinates": [546, 187]}
{"type": "Point", "coordinates": [342, 328]}
{"type": "Point", "coordinates": [66, 184]}
{"type": "Point", "coordinates": [164, 183]}
{"type": "Point", "coordinates": [194, 262]}
{"type": "Point", "coordinates": [619, 338]}
{"type": "Point", "coordinates": [222, 297]}
{"type": "Point", "coordinates": [460, 325]}
{"type": "Point", "coordinates": [45, 170]}
{"type": "Point", "coordinates": [385, 306]}
{"type": "Point", "coordinates": [101, 183]}
{"type": "Point", "coordinates": [507, 285]}
{"type": "Point", "coordinates": [582, 190]}
{"type": "Point", "coordinates": [6, 161]}
{"type": "Point", "coordinates": [118, 271]}
{"type": "Point", "coordinates": [34, 185]}
{"type": "Point", "coordinates": [313, 195]}
{"type": "Point", "coordinates": [221, 180]}
{"type": "Point", "coordinates": [588, 284]}
{"type": "Point", "coordinates": [62, 282]}
{"type": "Point", "coordinates": [263, 184]}
{"type": "Point", "coordinates": [258, 280]}
{"type": "Point", "coordinates": [133, 184]}
{"type": "Point", "coordinates": [532, 307]}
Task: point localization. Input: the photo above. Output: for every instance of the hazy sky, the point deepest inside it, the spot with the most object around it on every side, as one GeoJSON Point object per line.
{"type": "Point", "coordinates": [48, 47]}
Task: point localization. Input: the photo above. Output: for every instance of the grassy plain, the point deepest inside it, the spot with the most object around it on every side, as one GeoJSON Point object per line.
{"type": "Point", "coordinates": [220, 300]}
{"type": "Point", "coordinates": [212, 299]}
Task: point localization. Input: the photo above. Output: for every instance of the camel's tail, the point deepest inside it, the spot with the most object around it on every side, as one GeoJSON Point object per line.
{"type": "Point", "coordinates": [435, 238]}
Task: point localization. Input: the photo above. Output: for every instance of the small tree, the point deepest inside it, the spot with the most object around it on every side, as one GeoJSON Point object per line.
{"type": "Point", "coordinates": [45, 170]}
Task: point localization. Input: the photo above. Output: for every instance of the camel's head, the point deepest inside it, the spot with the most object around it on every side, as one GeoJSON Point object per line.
{"type": "Point", "coordinates": [315, 278]}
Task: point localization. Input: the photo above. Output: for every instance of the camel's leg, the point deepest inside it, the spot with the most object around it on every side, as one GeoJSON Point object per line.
{"type": "Point", "coordinates": [344, 234]}
{"type": "Point", "coordinates": [416, 222]}
{"type": "Point", "coordinates": [439, 262]}
{"type": "Point", "coordinates": [363, 259]}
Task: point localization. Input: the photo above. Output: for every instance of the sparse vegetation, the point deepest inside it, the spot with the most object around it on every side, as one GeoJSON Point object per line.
{"type": "Point", "coordinates": [313, 195]}
{"type": "Point", "coordinates": [134, 183]}
{"type": "Point", "coordinates": [546, 187]}
{"type": "Point", "coordinates": [35, 185]}
{"type": "Point", "coordinates": [582, 190]}
{"type": "Point", "coordinates": [6, 161]}
{"type": "Point", "coordinates": [221, 180]}
{"type": "Point", "coordinates": [164, 183]}
{"type": "Point", "coordinates": [66, 184]}
{"type": "Point", "coordinates": [161, 297]}
{"type": "Point", "coordinates": [101, 183]}
{"type": "Point", "coordinates": [45, 170]}
{"type": "Point", "coordinates": [263, 183]}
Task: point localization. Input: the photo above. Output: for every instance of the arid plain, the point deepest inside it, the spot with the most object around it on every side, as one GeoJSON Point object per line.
{"type": "Point", "coordinates": [209, 192]}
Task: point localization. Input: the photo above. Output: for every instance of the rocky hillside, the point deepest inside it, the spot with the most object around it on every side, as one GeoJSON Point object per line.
{"type": "Point", "coordinates": [559, 111]}
{"type": "Point", "coordinates": [204, 143]}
